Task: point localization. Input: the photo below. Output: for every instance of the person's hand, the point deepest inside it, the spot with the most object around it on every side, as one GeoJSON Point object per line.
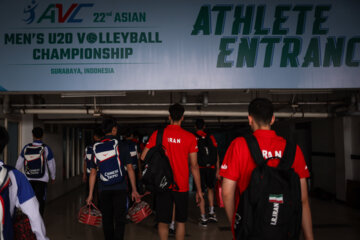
{"type": "Point", "coordinates": [52, 181]}
{"type": "Point", "coordinates": [135, 196]}
{"type": "Point", "coordinates": [89, 199]}
{"type": "Point", "coordinates": [199, 197]}
{"type": "Point", "coordinates": [218, 177]}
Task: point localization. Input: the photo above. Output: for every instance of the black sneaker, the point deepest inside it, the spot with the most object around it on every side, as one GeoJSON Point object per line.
{"type": "Point", "coordinates": [203, 222]}
{"type": "Point", "coordinates": [171, 232]}
{"type": "Point", "coordinates": [212, 217]}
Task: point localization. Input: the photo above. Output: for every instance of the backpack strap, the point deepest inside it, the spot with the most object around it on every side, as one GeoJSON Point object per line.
{"type": "Point", "coordinates": [159, 137]}
{"type": "Point", "coordinates": [4, 176]}
{"type": "Point", "coordinates": [197, 135]}
{"type": "Point", "coordinates": [254, 149]}
{"type": "Point", "coordinates": [288, 158]}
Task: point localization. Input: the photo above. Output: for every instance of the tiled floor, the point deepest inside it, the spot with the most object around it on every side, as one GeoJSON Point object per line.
{"type": "Point", "coordinates": [331, 221]}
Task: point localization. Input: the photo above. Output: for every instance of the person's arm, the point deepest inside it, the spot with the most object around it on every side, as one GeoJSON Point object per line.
{"type": "Point", "coordinates": [139, 166]}
{"type": "Point", "coordinates": [151, 143]}
{"type": "Point", "coordinates": [143, 154]}
{"type": "Point", "coordinates": [31, 209]}
{"type": "Point", "coordinates": [196, 175]}
{"type": "Point", "coordinates": [20, 161]}
{"type": "Point", "coordinates": [22, 194]}
{"type": "Point", "coordinates": [306, 213]}
{"type": "Point", "coordinates": [52, 169]}
{"type": "Point", "coordinates": [134, 195]}
{"type": "Point", "coordinates": [84, 178]}
{"type": "Point", "coordinates": [92, 179]}
{"type": "Point", "coordinates": [51, 164]}
{"type": "Point", "coordinates": [228, 194]}
{"type": "Point", "coordinates": [218, 167]}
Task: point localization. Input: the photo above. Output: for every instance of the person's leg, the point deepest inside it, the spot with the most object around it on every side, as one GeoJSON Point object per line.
{"type": "Point", "coordinates": [181, 210]}
{"type": "Point", "coordinates": [163, 230]}
{"type": "Point", "coordinates": [120, 210]}
{"type": "Point", "coordinates": [180, 231]}
{"type": "Point", "coordinates": [203, 219]}
{"type": "Point", "coordinates": [40, 193]}
{"type": "Point", "coordinates": [203, 189]}
{"type": "Point", "coordinates": [164, 209]}
{"type": "Point", "coordinates": [211, 197]}
{"type": "Point", "coordinates": [105, 198]}
{"type": "Point", "coordinates": [211, 179]}
{"type": "Point", "coordinates": [172, 224]}
{"type": "Point", "coordinates": [211, 186]}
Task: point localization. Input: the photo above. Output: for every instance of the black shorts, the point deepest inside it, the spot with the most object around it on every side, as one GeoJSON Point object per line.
{"type": "Point", "coordinates": [208, 178]}
{"type": "Point", "coordinates": [164, 206]}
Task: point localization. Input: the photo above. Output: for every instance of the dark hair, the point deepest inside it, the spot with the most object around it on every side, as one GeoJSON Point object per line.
{"type": "Point", "coordinates": [200, 123]}
{"type": "Point", "coordinates": [262, 110]}
{"type": "Point", "coordinates": [38, 132]}
{"type": "Point", "coordinates": [98, 132]}
{"type": "Point", "coordinates": [176, 111]}
{"type": "Point", "coordinates": [107, 125]}
{"type": "Point", "coordinates": [4, 138]}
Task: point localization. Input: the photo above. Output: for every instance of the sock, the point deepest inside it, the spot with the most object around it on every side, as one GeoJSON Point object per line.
{"type": "Point", "coordinates": [211, 209]}
{"type": "Point", "coordinates": [203, 217]}
{"type": "Point", "coordinates": [172, 225]}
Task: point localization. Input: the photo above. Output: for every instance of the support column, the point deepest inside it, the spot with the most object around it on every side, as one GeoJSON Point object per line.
{"type": "Point", "coordinates": [340, 159]}
{"type": "Point", "coordinates": [27, 125]}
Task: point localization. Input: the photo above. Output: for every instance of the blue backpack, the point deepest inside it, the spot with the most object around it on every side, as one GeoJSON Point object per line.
{"type": "Point", "coordinates": [111, 171]}
{"type": "Point", "coordinates": [34, 163]}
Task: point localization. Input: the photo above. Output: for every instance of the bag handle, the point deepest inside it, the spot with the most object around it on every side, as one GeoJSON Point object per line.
{"type": "Point", "coordinates": [90, 205]}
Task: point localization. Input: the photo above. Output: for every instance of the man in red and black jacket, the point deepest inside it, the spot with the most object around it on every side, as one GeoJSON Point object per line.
{"type": "Point", "coordinates": [180, 146]}
{"type": "Point", "coordinates": [209, 169]}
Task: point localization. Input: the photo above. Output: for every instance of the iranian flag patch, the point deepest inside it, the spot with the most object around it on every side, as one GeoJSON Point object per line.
{"type": "Point", "coordinates": [276, 198]}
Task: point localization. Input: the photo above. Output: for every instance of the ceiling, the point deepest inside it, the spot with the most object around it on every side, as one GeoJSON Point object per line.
{"type": "Point", "coordinates": [150, 107]}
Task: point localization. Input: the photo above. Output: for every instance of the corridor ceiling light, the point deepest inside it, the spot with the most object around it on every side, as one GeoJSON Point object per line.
{"type": "Point", "coordinates": [93, 94]}
{"type": "Point", "coordinates": [183, 98]}
{"type": "Point", "coordinates": [300, 91]}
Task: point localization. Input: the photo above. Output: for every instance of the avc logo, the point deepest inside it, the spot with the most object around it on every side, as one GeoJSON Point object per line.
{"type": "Point", "coordinates": [55, 13]}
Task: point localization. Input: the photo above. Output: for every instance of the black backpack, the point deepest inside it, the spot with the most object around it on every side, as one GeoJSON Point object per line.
{"type": "Point", "coordinates": [270, 208]}
{"type": "Point", "coordinates": [207, 154]}
{"type": "Point", "coordinates": [157, 174]}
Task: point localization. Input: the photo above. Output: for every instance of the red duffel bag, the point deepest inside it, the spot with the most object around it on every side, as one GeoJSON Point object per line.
{"type": "Point", "coordinates": [139, 211]}
{"type": "Point", "coordinates": [22, 227]}
{"type": "Point", "coordinates": [218, 190]}
{"type": "Point", "coordinates": [90, 215]}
